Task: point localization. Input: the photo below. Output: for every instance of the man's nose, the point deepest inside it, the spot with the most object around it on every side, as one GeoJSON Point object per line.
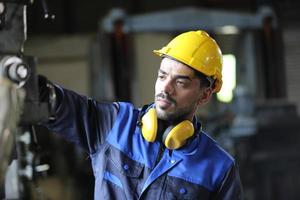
{"type": "Point", "coordinates": [168, 86]}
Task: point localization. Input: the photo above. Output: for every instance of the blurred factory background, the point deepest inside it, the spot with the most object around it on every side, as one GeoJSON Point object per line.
{"type": "Point", "coordinates": [103, 49]}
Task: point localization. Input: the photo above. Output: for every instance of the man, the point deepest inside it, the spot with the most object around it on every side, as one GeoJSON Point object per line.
{"type": "Point", "coordinates": [158, 151]}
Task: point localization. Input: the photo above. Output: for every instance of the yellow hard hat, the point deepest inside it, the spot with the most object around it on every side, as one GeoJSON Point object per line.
{"type": "Point", "coordinates": [199, 51]}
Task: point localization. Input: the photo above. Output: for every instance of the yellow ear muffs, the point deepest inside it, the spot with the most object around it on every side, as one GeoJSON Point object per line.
{"type": "Point", "coordinates": [149, 125]}
{"type": "Point", "coordinates": [178, 135]}
{"type": "Point", "coordinates": [173, 137]}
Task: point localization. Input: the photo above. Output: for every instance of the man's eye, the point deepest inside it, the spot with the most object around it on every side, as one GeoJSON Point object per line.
{"type": "Point", "coordinates": [181, 83]}
{"type": "Point", "coordinates": [161, 76]}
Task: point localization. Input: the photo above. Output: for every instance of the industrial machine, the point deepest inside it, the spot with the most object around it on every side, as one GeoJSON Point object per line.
{"type": "Point", "coordinates": [20, 105]}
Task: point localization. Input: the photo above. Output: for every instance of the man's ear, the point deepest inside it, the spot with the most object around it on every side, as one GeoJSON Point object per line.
{"type": "Point", "coordinates": [205, 95]}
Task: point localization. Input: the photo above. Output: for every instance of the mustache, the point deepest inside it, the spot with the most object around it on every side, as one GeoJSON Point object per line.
{"type": "Point", "coordinates": [165, 97]}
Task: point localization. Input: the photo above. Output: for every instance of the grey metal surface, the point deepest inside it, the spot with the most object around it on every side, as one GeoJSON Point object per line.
{"type": "Point", "coordinates": [187, 18]}
{"type": "Point", "coordinates": [11, 101]}
{"type": "Point", "coordinates": [13, 34]}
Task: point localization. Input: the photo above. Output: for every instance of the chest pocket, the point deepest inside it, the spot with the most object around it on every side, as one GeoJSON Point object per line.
{"type": "Point", "coordinates": [126, 172]}
{"type": "Point", "coordinates": [176, 188]}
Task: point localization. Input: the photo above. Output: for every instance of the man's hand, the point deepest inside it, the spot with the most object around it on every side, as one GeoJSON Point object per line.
{"type": "Point", "coordinates": [47, 94]}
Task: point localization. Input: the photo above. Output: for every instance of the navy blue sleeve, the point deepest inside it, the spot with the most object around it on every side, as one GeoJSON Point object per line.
{"type": "Point", "coordinates": [82, 120]}
{"type": "Point", "coordinates": [231, 187]}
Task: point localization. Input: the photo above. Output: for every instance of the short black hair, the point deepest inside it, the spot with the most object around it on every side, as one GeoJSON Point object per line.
{"type": "Point", "coordinates": [205, 81]}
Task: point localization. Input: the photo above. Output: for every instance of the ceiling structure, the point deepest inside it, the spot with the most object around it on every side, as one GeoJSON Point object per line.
{"type": "Point", "coordinates": [73, 16]}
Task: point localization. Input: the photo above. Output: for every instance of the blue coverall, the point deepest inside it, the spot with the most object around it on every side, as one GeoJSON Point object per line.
{"type": "Point", "coordinates": [126, 166]}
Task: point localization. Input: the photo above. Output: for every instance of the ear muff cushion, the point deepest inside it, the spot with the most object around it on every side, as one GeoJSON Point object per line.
{"type": "Point", "coordinates": [149, 125]}
{"type": "Point", "coordinates": [179, 134]}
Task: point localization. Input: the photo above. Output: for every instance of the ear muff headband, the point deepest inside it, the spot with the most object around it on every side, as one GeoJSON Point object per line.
{"type": "Point", "coordinates": [173, 138]}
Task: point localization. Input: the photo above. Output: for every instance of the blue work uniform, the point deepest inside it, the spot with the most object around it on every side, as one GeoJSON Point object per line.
{"type": "Point", "coordinates": [126, 166]}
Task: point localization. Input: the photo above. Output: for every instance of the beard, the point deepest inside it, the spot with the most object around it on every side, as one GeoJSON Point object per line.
{"type": "Point", "coordinates": [176, 114]}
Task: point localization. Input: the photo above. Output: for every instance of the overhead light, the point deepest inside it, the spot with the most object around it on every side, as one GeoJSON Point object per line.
{"type": "Point", "coordinates": [227, 30]}
{"type": "Point", "coordinates": [229, 78]}
{"type": "Point", "coordinates": [2, 8]}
